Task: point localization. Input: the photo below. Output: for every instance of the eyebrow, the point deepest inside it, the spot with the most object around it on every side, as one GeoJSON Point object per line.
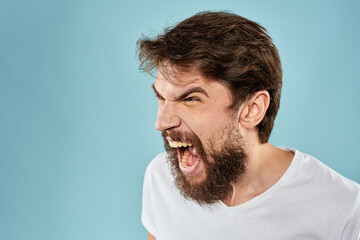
{"type": "Point", "coordinates": [185, 94]}
{"type": "Point", "coordinates": [156, 92]}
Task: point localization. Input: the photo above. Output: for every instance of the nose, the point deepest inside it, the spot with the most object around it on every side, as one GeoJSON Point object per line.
{"type": "Point", "coordinates": [167, 117]}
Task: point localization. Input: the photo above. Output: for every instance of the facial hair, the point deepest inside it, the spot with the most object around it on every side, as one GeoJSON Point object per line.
{"type": "Point", "coordinates": [224, 162]}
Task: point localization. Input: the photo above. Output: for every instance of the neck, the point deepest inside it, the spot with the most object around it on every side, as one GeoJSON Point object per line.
{"type": "Point", "coordinates": [265, 166]}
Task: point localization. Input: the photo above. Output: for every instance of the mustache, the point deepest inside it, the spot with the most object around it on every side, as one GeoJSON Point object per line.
{"type": "Point", "coordinates": [181, 136]}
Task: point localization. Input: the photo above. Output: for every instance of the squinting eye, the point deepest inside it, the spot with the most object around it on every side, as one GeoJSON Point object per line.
{"type": "Point", "coordinates": [160, 98]}
{"type": "Point", "coordinates": [191, 99]}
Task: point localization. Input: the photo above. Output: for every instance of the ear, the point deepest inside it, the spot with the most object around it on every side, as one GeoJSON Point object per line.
{"type": "Point", "coordinates": [254, 109]}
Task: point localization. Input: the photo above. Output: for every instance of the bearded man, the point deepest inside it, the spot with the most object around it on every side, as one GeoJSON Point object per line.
{"type": "Point", "coordinates": [218, 84]}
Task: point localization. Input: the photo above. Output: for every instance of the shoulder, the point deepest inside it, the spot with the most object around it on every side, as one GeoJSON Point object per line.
{"type": "Point", "coordinates": [321, 173]}
{"type": "Point", "coordinates": [158, 171]}
{"type": "Point", "coordinates": [327, 183]}
{"type": "Point", "coordinates": [153, 188]}
{"type": "Point", "coordinates": [157, 164]}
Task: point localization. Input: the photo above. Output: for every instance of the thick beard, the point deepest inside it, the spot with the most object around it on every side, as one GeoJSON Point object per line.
{"type": "Point", "coordinates": [227, 166]}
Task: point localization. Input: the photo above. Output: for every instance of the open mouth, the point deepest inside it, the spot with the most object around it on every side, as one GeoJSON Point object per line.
{"type": "Point", "coordinates": [188, 156]}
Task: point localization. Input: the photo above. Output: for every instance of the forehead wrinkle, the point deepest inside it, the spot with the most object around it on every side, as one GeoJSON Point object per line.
{"type": "Point", "coordinates": [178, 87]}
{"type": "Point", "coordinates": [178, 76]}
{"type": "Point", "coordinates": [178, 81]}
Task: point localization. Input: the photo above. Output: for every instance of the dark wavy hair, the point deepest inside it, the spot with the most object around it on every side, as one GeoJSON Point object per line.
{"type": "Point", "coordinates": [223, 47]}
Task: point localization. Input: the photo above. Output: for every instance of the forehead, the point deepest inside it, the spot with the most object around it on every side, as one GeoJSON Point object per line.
{"type": "Point", "coordinates": [173, 83]}
{"type": "Point", "coordinates": [177, 77]}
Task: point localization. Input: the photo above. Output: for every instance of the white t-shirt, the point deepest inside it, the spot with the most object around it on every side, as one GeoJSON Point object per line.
{"type": "Point", "coordinates": [309, 202]}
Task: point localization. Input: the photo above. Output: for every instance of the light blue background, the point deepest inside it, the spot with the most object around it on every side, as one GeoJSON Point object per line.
{"type": "Point", "coordinates": [77, 117]}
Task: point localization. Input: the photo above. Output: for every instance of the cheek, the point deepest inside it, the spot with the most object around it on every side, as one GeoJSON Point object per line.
{"type": "Point", "coordinates": [205, 122]}
{"type": "Point", "coordinates": [209, 124]}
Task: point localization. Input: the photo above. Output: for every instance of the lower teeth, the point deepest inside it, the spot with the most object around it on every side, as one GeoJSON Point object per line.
{"type": "Point", "coordinates": [183, 160]}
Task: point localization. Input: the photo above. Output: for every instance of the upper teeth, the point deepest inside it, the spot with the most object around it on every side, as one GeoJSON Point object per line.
{"type": "Point", "coordinates": [179, 144]}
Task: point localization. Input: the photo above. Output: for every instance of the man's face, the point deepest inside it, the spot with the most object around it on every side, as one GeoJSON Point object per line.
{"type": "Point", "coordinates": [201, 134]}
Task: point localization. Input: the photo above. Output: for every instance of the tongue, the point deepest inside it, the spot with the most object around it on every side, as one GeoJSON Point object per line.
{"type": "Point", "coordinates": [193, 156]}
{"type": "Point", "coordinates": [193, 151]}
